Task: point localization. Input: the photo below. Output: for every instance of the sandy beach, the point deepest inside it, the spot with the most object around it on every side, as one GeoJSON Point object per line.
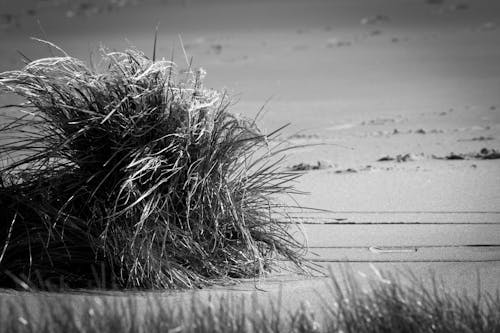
{"type": "Point", "coordinates": [397, 103]}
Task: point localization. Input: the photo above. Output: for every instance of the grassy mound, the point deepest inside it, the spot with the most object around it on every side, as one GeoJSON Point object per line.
{"type": "Point", "coordinates": [134, 175]}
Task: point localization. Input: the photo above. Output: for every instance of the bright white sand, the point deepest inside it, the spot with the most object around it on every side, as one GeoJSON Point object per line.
{"type": "Point", "coordinates": [425, 82]}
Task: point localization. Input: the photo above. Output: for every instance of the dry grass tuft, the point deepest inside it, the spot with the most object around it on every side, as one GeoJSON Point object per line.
{"type": "Point", "coordinates": [133, 175]}
{"type": "Point", "coordinates": [386, 306]}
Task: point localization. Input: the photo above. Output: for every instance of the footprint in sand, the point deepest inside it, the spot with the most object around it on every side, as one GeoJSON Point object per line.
{"type": "Point", "coordinates": [483, 154]}
{"type": "Point", "coordinates": [348, 170]}
{"type": "Point", "coordinates": [9, 21]}
{"type": "Point", "coordinates": [304, 136]}
{"type": "Point", "coordinates": [459, 6]}
{"type": "Point", "coordinates": [335, 42]}
{"type": "Point", "coordinates": [487, 26]}
{"type": "Point", "coordinates": [319, 165]}
{"type": "Point", "coordinates": [478, 138]}
{"type": "Point", "coordinates": [401, 158]}
{"type": "Point", "coordinates": [375, 19]}
{"type": "Point", "coordinates": [381, 121]}
{"type": "Point", "coordinates": [434, 2]}
{"type": "Point", "coordinates": [340, 127]}
{"type": "Point", "coordinates": [216, 48]}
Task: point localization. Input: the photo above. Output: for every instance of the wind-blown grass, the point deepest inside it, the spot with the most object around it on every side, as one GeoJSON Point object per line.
{"type": "Point", "coordinates": [387, 306]}
{"type": "Point", "coordinates": [133, 175]}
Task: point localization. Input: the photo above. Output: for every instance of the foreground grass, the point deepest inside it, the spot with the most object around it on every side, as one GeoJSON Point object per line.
{"type": "Point", "coordinates": [388, 306]}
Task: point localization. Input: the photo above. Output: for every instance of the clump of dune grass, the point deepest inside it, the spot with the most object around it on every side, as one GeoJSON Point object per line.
{"type": "Point", "coordinates": [403, 302]}
{"type": "Point", "coordinates": [133, 174]}
{"type": "Point", "coordinates": [387, 306]}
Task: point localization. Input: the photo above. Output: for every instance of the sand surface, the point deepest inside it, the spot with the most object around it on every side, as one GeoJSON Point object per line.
{"type": "Point", "coordinates": [399, 96]}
